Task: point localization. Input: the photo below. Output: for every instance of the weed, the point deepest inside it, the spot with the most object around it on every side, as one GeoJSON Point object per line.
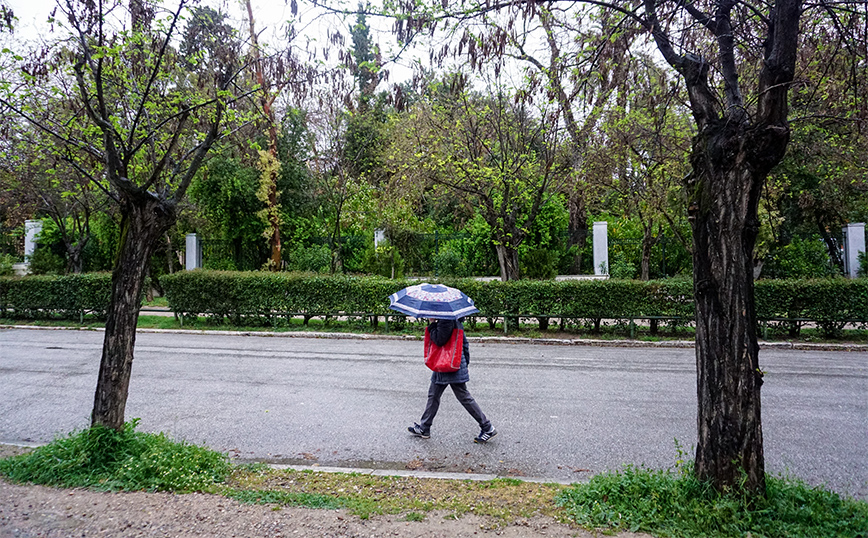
{"type": "Point", "coordinates": [676, 504]}
{"type": "Point", "coordinates": [414, 516]}
{"type": "Point", "coordinates": [103, 458]}
{"type": "Point", "coordinates": [285, 498]}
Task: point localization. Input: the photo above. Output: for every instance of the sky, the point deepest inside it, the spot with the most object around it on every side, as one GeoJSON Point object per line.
{"type": "Point", "coordinates": [269, 15]}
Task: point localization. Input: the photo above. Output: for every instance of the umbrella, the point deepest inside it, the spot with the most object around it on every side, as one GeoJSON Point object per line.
{"type": "Point", "coordinates": [432, 301]}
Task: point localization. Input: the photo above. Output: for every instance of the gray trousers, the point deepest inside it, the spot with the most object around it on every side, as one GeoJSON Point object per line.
{"type": "Point", "coordinates": [435, 391]}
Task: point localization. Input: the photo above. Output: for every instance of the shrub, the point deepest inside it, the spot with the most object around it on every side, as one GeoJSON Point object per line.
{"type": "Point", "coordinates": [44, 261]}
{"type": "Point", "coordinates": [539, 263]}
{"type": "Point", "coordinates": [65, 296]}
{"type": "Point", "coordinates": [312, 259]}
{"type": "Point", "coordinates": [7, 263]}
{"type": "Point", "coordinates": [103, 458]}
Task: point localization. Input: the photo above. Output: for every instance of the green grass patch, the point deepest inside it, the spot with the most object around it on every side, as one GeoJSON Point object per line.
{"type": "Point", "coordinates": [103, 458]}
{"type": "Point", "coordinates": [675, 504]}
{"type": "Point", "coordinates": [286, 498]}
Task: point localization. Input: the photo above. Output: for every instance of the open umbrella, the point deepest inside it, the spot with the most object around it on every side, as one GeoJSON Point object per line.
{"type": "Point", "coordinates": [432, 301]}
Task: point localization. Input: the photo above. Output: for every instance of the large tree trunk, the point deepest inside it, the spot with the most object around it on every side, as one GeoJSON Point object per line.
{"type": "Point", "coordinates": [142, 224]}
{"type": "Point", "coordinates": [730, 163]}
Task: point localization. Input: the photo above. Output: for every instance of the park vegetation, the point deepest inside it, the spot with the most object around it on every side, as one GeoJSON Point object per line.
{"type": "Point", "coordinates": [728, 140]}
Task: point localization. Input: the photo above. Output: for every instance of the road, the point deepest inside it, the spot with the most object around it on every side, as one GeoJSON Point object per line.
{"type": "Point", "coordinates": [563, 412]}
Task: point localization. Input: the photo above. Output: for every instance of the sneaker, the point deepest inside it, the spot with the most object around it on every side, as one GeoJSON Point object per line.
{"type": "Point", "coordinates": [485, 436]}
{"type": "Point", "coordinates": [417, 430]}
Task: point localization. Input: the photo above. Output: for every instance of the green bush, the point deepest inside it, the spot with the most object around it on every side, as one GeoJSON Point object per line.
{"type": "Point", "coordinates": [863, 265]}
{"type": "Point", "coordinates": [44, 261]}
{"type": "Point", "coordinates": [67, 296]}
{"type": "Point", "coordinates": [312, 259]}
{"type": "Point", "coordinates": [103, 458]}
{"type": "Point", "coordinates": [540, 263]}
{"type": "Point", "coordinates": [7, 263]}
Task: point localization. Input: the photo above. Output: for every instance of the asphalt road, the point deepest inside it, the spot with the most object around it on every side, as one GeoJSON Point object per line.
{"type": "Point", "coordinates": [563, 412]}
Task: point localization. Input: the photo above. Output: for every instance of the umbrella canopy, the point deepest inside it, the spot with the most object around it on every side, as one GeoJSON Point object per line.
{"type": "Point", "coordinates": [432, 301]}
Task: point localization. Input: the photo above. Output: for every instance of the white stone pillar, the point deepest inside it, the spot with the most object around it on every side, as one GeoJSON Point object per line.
{"type": "Point", "coordinates": [193, 254]}
{"type": "Point", "coordinates": [854, 243]}
{"type": "Point", "coordinates": [379, 237]}
{"type": "Point", "coordinates": [601, 248]}
{"type": "Point", "coordinates": [31, 230]}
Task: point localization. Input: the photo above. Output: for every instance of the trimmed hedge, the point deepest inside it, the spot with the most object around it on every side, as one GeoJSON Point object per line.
{"type": "Point", "coordinates": [245, 295]}
{"type": "Point", "coordinates": [44, 296]}
{"type": "Point", "coordinates": [830, 302]}
{"type": "Point", "coordinates": [262, 294]}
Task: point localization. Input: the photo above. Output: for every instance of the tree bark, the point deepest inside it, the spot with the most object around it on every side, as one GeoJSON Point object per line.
{"type": "Point", "coordinates": [577, 228]}
{"type": "Point", "coordinates": [143, 221]}
{"type": "Point", "coordinates": [507, 258]}
{"type": "Point", "coordinates": [730, 163]}
{"type": "Point", "coordinates": [648, 242]}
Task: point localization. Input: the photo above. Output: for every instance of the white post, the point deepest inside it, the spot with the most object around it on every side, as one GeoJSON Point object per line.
{"type": "Point", "coordinates": [601, 248]}
{"type": "Point", "coordinates": [31, 230]}
{"type": "Point", "coordinates": [379, 237]}
{"type": "Point", "coordinates": [193, 255]}
{"type": "Point", "coordinates": [854, 243]}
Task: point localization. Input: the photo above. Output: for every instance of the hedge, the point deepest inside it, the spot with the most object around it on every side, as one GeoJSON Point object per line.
{"type": "Point", "coordinates": [245, 295]}
{"type": "Point", "coordinates": [67, 297]}
{"type": "Point", "coordinates": [830, 302]}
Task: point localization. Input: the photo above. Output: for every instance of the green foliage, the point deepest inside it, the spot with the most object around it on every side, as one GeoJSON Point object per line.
{"type": "Point", "coordinates": [7, 261]}
{"type": "Point", "coordinates": [66, 296]}
{"type": "Point", "coordinates": [44, 261]}
{"type": "Point", "coordinates": [620, 268]}
{"type": "Point", "coordinates": [286, 498]}
{"type": "Point", "coordinates": [801, 258]}
{"type": "Point", "coordinates": [539, 263]}
{"type": "Point", "coordinates": [266, 295]}
{"type": "Point", "coordinates": [830, 302]}
{"type": "Point", "coordinates": [449, 262]}
{"type": "Point", "coordinates": [676, 504]}
{"type": "Point", "coordinates": [863, 264]}
{"type": "Point", "coordinates": [103, 458]}
{"type": "Point", "coordinates": [384, 260]}
{"type": "Point", "coordinates": [313, 259]}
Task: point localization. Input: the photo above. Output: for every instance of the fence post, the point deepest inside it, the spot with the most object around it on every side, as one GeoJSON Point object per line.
{"type": "Point", "coordinates": [193, 256]}
{"type": "Point", "coordinates": [854, 243]}
{"type": "Point", "coordinates": [601, 248]}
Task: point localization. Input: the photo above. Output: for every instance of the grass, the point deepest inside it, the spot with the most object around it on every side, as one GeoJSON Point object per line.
{"type": "Point", "coordinates": [665, 503]}
{"type": "Point", "coordinates": [128, 460]}
{"type": "Point", "coordinates": [675, 504]}
{"type": "Point", "coordinates": [366, 495]}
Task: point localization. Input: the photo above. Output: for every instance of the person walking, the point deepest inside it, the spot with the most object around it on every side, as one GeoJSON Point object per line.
{"type": "Point", "coordinates": [440, 332]}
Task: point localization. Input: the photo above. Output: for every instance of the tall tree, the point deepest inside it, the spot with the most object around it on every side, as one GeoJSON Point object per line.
{"type": "Point", "coordinates": [738, 63]}
{"type": "Point", "coordinates": [493, 154]}
{"type": "Point", "coordinates": [152, 124]}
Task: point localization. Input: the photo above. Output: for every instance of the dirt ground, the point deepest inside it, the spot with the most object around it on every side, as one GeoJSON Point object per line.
{"type": "Point", "coordinates": [36, 511]}
{"type": "Point", "coordinates": [31, 511]}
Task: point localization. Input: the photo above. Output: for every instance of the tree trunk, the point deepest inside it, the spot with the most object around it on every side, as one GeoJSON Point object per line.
{"type": "Point", "coordinates": [648, 242]}
{"type": "Point", "coordinates": [143, 222]}
{"type": "Point", "coordinates": [577, 229]}
{"type": "Point", "coordinates": [730, 163]}
{"type": "Point", "coordinates": [507, 258]}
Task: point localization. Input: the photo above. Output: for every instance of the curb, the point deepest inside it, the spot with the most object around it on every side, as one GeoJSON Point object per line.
{"type": "Point", "coordinates": [677, 344]}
